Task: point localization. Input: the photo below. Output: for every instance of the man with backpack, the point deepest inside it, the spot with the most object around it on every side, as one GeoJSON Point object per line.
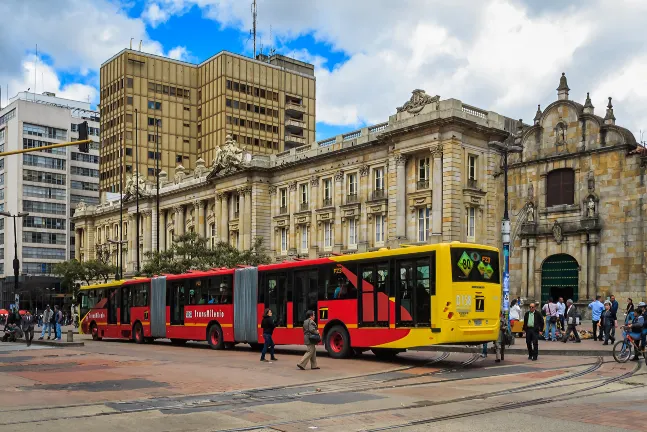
{"type": "Point", "coordinates": [58, 321]}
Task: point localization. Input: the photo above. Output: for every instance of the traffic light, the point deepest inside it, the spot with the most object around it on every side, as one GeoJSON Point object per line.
{"type": "Point", "coordinates": [83, 135]}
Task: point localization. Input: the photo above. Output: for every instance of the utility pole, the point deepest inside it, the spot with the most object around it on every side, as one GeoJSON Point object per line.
{"type": "Point", "coordinates": [157, 176]}
{"type": "Point", "coordinates": [120, 257]}
{"type": "Point", "coordinates": [254, 26]}
{"type": "Point", "coordinates": [137, 190]}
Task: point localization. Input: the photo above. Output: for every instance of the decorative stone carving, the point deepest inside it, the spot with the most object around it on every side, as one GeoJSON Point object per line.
{"type": "Point", "coordinates": [292, 186]}
{"type": "Point", "coordinates": [537, 118]}
{"type": "Point", "coordinates": [531, 191]}
{"type": "Point", "coordinates": [417, 102]}
{"type": "Point", "coordinates": [590, 207]}
{"type": "Point", "coordinates": [339, 176]}
{"type": "Point", "coordinates": [314, 181]}
{"type": "Point", "coordinates": [180, 174]}
{"type": "Point", "coordinates": [273, 190]}
{"type": "Point", "coordinates": [436, 151]}
{"type": "Point", "coordinates": [560, 134]}
{"type": "Point", "coordinates": [200, 168]}
{"type": "Point", "coordinates": [177, 209]}
{"type": "Point", "coordinates": [557, 232]}
{"type": "Point", "coordinates": [229, 157]}
{"type": "Point", "coordinates": [220, 196]}
{"type": "Point", "coordinates": [146, 212]}
{"type": "Point", "coordinates": [363, 170]}
{"type": "Point", "coordinates": [400, 160]}
{"type": "Point", "coordinates": [530, 212]}
{"type": "Point", "coordinates": [136, 184]}
{"type": "Point", "coordinates": [245, 190]}
{"type": "Point", "coordinates": [163, 178]}
{"type": "Point", "coordinates": [197, 203]}
{"type": "Point", "coordinates": [81, 206]}
{"type": "Point", "coordinates": [591, 182]}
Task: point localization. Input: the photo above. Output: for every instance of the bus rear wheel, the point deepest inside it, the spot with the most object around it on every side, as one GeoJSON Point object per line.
{"type": "Point", "coordinates": [214, 337]}
{"type": "Point", "coordinates": [94, 331]}
{"type": "Point", "coordinates": [138, 334]}
{"type": "Point", "coordinates": [338, 342]}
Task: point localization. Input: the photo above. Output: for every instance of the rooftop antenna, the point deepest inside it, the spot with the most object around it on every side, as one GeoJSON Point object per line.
{"type": "Point", "coordinates": [35, 67]}
{"type": "Point", "coordinates": [131, 43]}
{"type": "Point", "coordinates": [254, 25]}
{"type": "Point", "coordinates": [140, 45]}
{"type": "Point", "coordinates": [272, 50]}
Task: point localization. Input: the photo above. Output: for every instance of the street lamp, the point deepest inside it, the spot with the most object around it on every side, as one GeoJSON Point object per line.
{"type": "Point", "coordinates": [508, 146]}
{"type": "Point", "coordinates": [16, 262]}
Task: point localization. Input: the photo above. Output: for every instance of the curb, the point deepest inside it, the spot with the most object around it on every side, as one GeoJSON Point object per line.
{"type": "Point", "coordinates": [516, 351]}
{"type": "Point", "coordinates": [57, 343]}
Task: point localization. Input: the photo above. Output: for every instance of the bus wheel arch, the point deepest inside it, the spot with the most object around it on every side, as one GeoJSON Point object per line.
{"type": "Point", "coordinates": [214, 336]}
{"type": "Point", "coordinates": [337, 340]}
{"type": "Point", "coordinates": [138, 333]}
{"type": "Point", "coordinates": [94, 331]}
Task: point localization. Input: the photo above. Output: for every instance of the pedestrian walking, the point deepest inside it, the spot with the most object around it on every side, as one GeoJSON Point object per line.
{"type": "Point", "coordinates": [561, 310]}
{"type": "Point", "coordinates": [596, 310]}
{"type": "Point", "coordinates": [515, 312]}
{"type": "Point", "coordinates": [550, 310]}
{"type": "Point", "coordinates": [47, 327]}
{"type": "Point", "coordinates": [614, 309]}
{"type": "Point", "coordinates": [268, 326]}
{"type": "Point", "coordinates": [311, 338]}
{"type": "Point", "coordinates": [533, 322]}
{"type": "Point", "coordinates": [608, 321]}
{"type": "Point", "coordinates": [58, 321]}
{"type": "Point", "coordinates": [27, 322]}
{"type": "Point", "coordinates": [572, 320]}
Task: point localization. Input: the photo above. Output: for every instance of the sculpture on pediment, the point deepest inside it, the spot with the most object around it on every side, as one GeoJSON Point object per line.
{"type": "Point", "coordinates": [417, 102]}
{"type": "Point", "coordinates": [557, 232]}
{"type": "Point", "coordinates": [229, 157]}
{"type": "Point", "coordinates": [200, 168]}
{"type": "Point", "coordinates": [136, 184]}
{"type": "Point", "coordinates": [531, 213]}
{"type": "Point", "coordinates": [81, 206]}
{"type": "Point", "coordinates": [590, 207]}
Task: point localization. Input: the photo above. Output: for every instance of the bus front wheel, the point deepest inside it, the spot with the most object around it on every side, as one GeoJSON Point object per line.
{"type": "Point", "coordinates": [138, 334]}
{"type": "Point", "coordinates": [94, 331]}
{"type": "Point", "coordinates": [338, 342]}
{"type": "Point", "coordinates": [214, 337]}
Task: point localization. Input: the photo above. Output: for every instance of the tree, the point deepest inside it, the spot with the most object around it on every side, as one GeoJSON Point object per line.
{"type": "Point", "coordinates": [191, 252]}
{"type": "Point", "coordinates": [70, 272]}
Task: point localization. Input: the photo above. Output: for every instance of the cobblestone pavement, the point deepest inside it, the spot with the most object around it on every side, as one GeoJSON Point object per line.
{"type": "Point", "coordinates": [115, 385]}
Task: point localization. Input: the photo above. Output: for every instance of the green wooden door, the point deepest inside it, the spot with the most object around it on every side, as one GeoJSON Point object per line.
{"type": "Point", "coordinates": [559, 278]}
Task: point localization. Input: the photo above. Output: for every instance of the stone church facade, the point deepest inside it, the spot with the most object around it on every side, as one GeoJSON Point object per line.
{"type": "Point", "coordinates": [578, 200]}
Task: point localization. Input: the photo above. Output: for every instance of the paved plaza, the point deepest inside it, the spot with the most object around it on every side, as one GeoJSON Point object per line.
{"type": "Point", "coordinates": [118, 385]}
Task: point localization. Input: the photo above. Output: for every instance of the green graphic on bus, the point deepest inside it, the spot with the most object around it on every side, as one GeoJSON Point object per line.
{"type": "Point", "coordinates": [465, 263]}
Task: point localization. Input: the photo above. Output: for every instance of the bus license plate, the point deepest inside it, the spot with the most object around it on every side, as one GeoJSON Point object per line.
{"type": "Point", "coordinates": [478, 322]}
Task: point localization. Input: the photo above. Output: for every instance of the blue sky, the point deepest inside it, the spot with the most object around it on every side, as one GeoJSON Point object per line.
{"type": "Point", "coordinates": [500, 55]}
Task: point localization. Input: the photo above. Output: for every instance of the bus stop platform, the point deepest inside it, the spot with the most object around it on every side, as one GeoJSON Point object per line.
{"type": "Point", "coordinates": [588, 348]}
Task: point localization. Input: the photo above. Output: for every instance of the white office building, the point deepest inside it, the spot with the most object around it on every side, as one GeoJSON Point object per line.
{"type": "Point", "coordinates": [46, 184]}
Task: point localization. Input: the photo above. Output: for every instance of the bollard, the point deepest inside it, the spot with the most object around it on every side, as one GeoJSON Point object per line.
{"type": "Point", "coordinates": [70, 336]}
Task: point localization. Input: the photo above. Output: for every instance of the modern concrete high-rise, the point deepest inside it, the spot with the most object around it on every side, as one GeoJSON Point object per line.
{"type": "Point", "coordinates": [180, 112]}
{"type": "Point", "coordinates": [47, 184]}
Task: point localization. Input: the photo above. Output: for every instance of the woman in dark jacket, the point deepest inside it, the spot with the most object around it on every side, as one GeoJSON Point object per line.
{"type": "Point", "coordinates": [268, 326]}
{"type": "Point", "coordinates": [608, 320]}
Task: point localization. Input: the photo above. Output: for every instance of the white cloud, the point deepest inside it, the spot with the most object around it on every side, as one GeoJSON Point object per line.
{"type": "Point", "coordinates": [179, 53]}
{"type": "Point", "coordinates": [503, 55]}
{"type": "Point", "coordinates": [154, 15]}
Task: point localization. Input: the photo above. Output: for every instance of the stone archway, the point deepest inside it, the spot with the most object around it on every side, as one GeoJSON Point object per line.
{"type": "Point", "coordinates": [559, 278]}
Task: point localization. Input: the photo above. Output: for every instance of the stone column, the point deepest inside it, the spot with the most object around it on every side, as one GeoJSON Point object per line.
{"type": "Point", "coordinates": [77, 244]}
{"type": "Point", "coordinates": [315, 199]}
{"type": "Point", "coordinates": [224, 218]}
{"type": "Point", "coordinates": [592, 265]}
{"type": "Point", "coordinates": [364, 190]}
{"type": "Point", "coordinates": [89, 241]}
{"type": "Point", "coordinates": [339, 188]}
{"type": "Point", "coordinates": [163, 229]}
{"type": "Point", "coordinates": [437, 192]}
{"type": "Point", "coordinates": [401, 197]}
{"type": "Point", "coordinates": [200, 221]}
{"type": "Point", "coordinates": [218, 216]}
{"type": "Point", "coordinates": [293, 205]}
{"type": "Point", "coordinates": [131, 243]}
{"type": "Point", "coordinates": [531, 270]}
{"type": "Point", "coordinates": [245, 217]}
{"type": "Point", "coordinates": [273, 207]}
{"type": "Point", "coordinates": [148, 232]}
{"type": "Point", "coordinates": [179, 221]}
{"type": "Point", "coordinates": [583, 289]}
{"type": "Point", "coordinates": [154, 223]}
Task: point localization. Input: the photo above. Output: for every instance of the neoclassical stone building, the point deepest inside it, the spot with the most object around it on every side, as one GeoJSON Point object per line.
{"type": "Point", "coordinates": [426, 175]}
{"type": "Point", "coordinates": [577, 194]}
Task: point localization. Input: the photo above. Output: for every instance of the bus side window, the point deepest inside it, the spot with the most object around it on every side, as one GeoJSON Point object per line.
{"type": "Point", "coordinates": [337, 286]}
{"type": "Point", "coordinates": [225, 289]}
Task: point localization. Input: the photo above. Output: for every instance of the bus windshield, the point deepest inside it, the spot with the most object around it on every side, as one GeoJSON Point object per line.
{"type": "Point", "coordinates": [475, 265]}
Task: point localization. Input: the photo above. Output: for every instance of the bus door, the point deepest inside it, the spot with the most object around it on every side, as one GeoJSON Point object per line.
{"type": "Point", "coordinates": [415, 284]}
{"type": "Point", "coordinates": [113, 304]}
{"type": "Point", "coordinates": [374, 299]}
{"type": "Point", "coordinates": [177, 302]}
{"type": "Point", "coordinates": [126, 303]}
{"type": "Point", "coordinates": [277, 296]}
{"type": "Point", "coordinates": [306, 292]}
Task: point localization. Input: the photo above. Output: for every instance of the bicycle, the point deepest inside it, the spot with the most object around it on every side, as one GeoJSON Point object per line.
{"type": "Point", "coordinates": [622, 349]}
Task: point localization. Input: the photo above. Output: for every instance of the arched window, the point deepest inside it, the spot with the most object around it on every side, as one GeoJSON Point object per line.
{"type": "Point", "coordinates": [560, 187]}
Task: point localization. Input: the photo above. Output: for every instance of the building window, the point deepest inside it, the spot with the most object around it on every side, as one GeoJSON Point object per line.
{"type": "Point", "coordinates": [328, 235]}
{"type": "Point", "coordinates": [304, 238]}
{"type": "Point", "coordinates": [236, 205]}
{"type": "Point", "coordinates": [327, 187]}
{"type": "Point", "coordinates": [378, 176]}
{"type": "Point", "coordinates": [212, 231]}
{"type": "Point", "coordinates": [284, 240]}
{"type": "Point", "coordinates": [379, 228]}
{"type": "Point", "coordinates": [129, 100]}
{"type": "Point", "coordinates": [129, 82]}
{"type": "Point", "coordinates": [352, 233]}
{"type": "Point", "coordinates": [423, 173]}
{"type": "Point", "coordinates": [352, 184]}
{"type": "Point", "coordinates": [283, 199]}
{"type": "Point", "coordinates": [236, 240]}
{"type": "Point", "coordinates": [471, 170]}
{"type": "Point", "coordinates": [151, 171]}
{"type": "Point", "coordinates": [560, 187]}
{"type": "Point", "coordinates": [471, 224]}
{"type": "Point", "coordinates": [304, 193]}
{"type": "Point", "coordinates": [423, 224]}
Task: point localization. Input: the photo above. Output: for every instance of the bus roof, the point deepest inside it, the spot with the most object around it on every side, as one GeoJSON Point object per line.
{"type": "Point", "coordinates": [116, 283]}
{"type": "Point", "coordinates": [384, 252]}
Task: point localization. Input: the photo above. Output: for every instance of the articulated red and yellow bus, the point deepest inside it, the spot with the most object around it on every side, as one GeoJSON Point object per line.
{"type": "Point", "coordinates": [386, 301]}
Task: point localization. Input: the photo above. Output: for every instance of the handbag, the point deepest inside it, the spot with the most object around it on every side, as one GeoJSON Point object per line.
{"type": "Point", "coordinates": [314, 338]}
{"type": "Point", "coordinates": [553, 319]}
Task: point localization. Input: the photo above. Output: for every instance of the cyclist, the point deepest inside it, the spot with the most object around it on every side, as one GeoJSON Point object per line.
{"type": "Point", "coordinates": [637, 325]}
